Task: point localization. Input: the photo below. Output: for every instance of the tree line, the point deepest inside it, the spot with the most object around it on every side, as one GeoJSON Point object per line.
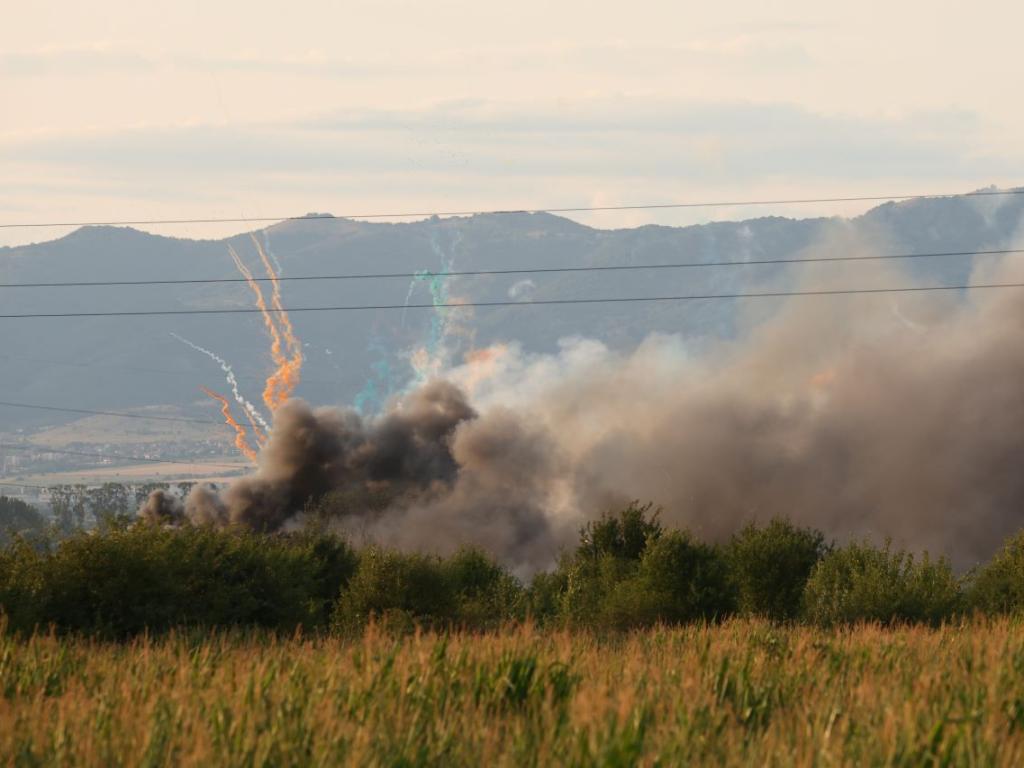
{"type": "Point", "coordinates": [627, 571]}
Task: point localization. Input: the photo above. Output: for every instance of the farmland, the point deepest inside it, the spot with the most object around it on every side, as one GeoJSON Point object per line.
{"type": "Point", "coordinates": [742, 692]}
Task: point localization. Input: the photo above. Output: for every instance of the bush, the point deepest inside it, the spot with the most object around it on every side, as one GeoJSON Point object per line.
{"type": "Point", "coordinates": [625, 535]}
{"type": "Point", "coordinates": [590, 583]}
{"type": "Point", "coordinates": [546, 594]}
{"type": "Point", "coordinates": [146, 578]}
{"type": "Point", "coordinates": [769, 568]}
{"type": "Point", "coordinates": [690, 577]}
{"type": "Point", "coordinates": [677, 579]}
{"type": "Point", "coordinates": [998, 586]}
{"type": "Point", "coordinates": [627, 572]}
{"type": "Point", "coordinates": [388, 584]}
{"type": "Point", "coordinates": [402, 590]}
{"type": "Point", "coordinates": [18, 519]}
{"type": "Point", "coordinates": [860, 582]}
{"type": "Point", "coordinates": [608, 554]}
{"type": "Point", "coordinates": [20, 576]}
{"type": "Point", "coordinates": [485, 594]}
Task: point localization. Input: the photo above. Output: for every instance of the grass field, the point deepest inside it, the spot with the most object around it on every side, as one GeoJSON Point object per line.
{"type": "Point", "coordinates": [739, 693]}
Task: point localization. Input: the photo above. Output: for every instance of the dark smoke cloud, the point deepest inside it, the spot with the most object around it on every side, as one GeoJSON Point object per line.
{"type": "Point", "coordinates": [859, 415]}
{"type": "Point", "coordinates": [312, 452]}
{"type": "Point", "coordinates": [162, 507]}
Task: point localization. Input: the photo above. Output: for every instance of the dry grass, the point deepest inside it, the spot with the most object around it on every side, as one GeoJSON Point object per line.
{"type": "Point", "coordinates": [742, 693]}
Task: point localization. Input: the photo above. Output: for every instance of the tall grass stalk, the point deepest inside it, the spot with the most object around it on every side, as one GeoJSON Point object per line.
{"type": "Point", "coordinates": [742, 692]}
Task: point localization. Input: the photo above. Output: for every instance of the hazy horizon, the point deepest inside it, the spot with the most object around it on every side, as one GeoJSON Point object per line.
{"type": "Point", "coordinates": [120, 112]}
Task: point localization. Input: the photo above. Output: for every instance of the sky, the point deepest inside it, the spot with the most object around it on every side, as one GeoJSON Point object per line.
{"type": "Point", "coordinates": [117, 110]}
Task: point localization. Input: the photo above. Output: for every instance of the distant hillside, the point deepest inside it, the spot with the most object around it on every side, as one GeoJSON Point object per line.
{"type": "Point", "coordinates": [110, 363]}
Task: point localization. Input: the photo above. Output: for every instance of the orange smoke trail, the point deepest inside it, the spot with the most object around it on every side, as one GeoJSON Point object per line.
{"type": "Point", "coordinates": [283, 381]}
{"type": "Point", "coordinates": [241, 443]}
{"type": "Point", "coordinates": [261, 438]}
{"type": "Point", "coordinates": [276, 390]}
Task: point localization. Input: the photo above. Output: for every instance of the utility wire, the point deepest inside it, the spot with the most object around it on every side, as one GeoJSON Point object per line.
{"type": "Point", "coordinates": [537, 303]}
{"type": "Point", "coordinates": [518, 271]}
{"type": "Point", "coordinates": [573, 209]}
{"type": "Point", "coordinates": [108, 413]}
{"type": "Point", "coordinates": [141, 459]}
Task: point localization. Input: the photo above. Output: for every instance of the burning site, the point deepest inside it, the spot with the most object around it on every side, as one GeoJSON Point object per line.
{"type": "Point", "coordinates": [426, 384]}
{"type": "Point", "coordinates": [890, 427]}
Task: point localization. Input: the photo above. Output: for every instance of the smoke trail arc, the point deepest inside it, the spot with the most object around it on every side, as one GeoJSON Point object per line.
{"type": "Point", "coordinates": [241, 441]}
{"type": "Point", "coordinates": [229, 374]}
{"type": "Point", "coordinates": [284, 378]}
{"type": "Point", "coordinates": [289, 372]}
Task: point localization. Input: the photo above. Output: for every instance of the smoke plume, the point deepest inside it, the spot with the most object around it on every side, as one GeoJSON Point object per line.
{"type": "Point", "coordinates": [849, 413]}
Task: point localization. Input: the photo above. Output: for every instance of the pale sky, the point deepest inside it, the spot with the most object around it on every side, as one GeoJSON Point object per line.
{"type": "Point", "coordinates": [123, 110]}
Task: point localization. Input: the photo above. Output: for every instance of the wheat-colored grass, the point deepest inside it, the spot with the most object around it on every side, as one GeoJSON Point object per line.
{"type": "Point", "coordinates": [740, 693]}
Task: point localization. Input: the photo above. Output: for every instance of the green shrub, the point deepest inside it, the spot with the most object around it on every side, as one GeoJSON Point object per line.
{"type": "Point", "coordinates": [590, 583]}
{"type": "Point", "coordinates": [485, 594]}
{"type": "Point", "coordinates": [676, 580]}
{"type": "Point", "coordinates": [20, 575]}
{"type": "Point", "coordinates": [468, 590]}
{"type": "Point", "coordinates": [18, 519]}
{"type": "Point", "coordinates": [860, 582]}
{"type": "Point", "coordinates": [582, 590]}
{"type": "Point", "coordinates": [127, 581]}
{"type": "Point", "coordinates": [546, 594]}
{"type": "Point", "coordinates": [769, 567]}
{"type": "Point", "coordinates": [332, 563]}
{"type": "Point", "coordinates": [998, 586]}
{"type": "Point", "coordinates": [691, 578]}
{"type": "Point", "coordinates": [628, 572]}
{"type": "Point", "coordinates": [625, 535]}
{"type": "Point", "coordinates": [387, 582]}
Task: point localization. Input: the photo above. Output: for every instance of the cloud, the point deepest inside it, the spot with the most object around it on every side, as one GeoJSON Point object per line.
{"type": "Point", "coordinates": [73, 61]}
{"type": "Point", "coordinates": [739, 48]}
{"type": "Point", "coordinates": [600, 138]}
{"type": "Point", "coordinates": [106, 59]}
{"type": "Point", "coordinates": [478, 154]}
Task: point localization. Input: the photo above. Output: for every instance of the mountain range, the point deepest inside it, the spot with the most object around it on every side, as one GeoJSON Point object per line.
{"type": "Point", "coordinates": [363, 356]}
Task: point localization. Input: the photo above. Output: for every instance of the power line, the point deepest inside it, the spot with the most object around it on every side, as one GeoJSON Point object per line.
{"type": "Point", "coordinates": [108, 413]}
{"type": "Point", "coordinates": [527, 210]}
{"type": "Point", "coordinates": [140, 459]}
{"type": "Point", "coordinates": [518, 271]}
{"type": "Point", "coordinates": [537, 303]}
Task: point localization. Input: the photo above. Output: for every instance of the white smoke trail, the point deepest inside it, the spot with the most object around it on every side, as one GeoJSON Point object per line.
{"type": "Point", "coordinates": [229, 374]}
{"type": "Point", "coordinates": [894, 307]}
{"type": "Point", "coordinates": [270, 252]}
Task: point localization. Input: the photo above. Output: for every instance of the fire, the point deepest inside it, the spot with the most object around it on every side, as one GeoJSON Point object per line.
{"type": "Point", "coordinates": [240, 438]}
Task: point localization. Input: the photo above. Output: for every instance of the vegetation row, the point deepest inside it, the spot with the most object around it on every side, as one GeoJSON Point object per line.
{"type": "Point", "coordinates": [627, 571]}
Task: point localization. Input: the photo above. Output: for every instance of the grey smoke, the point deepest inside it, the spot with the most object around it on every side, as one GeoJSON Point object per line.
{"type": "Point", "coordinates": [832, 412]}
{"type": "Point", "coordinates": [313, 451]}
{"type": "Point", "coordinates": [162, 507]}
